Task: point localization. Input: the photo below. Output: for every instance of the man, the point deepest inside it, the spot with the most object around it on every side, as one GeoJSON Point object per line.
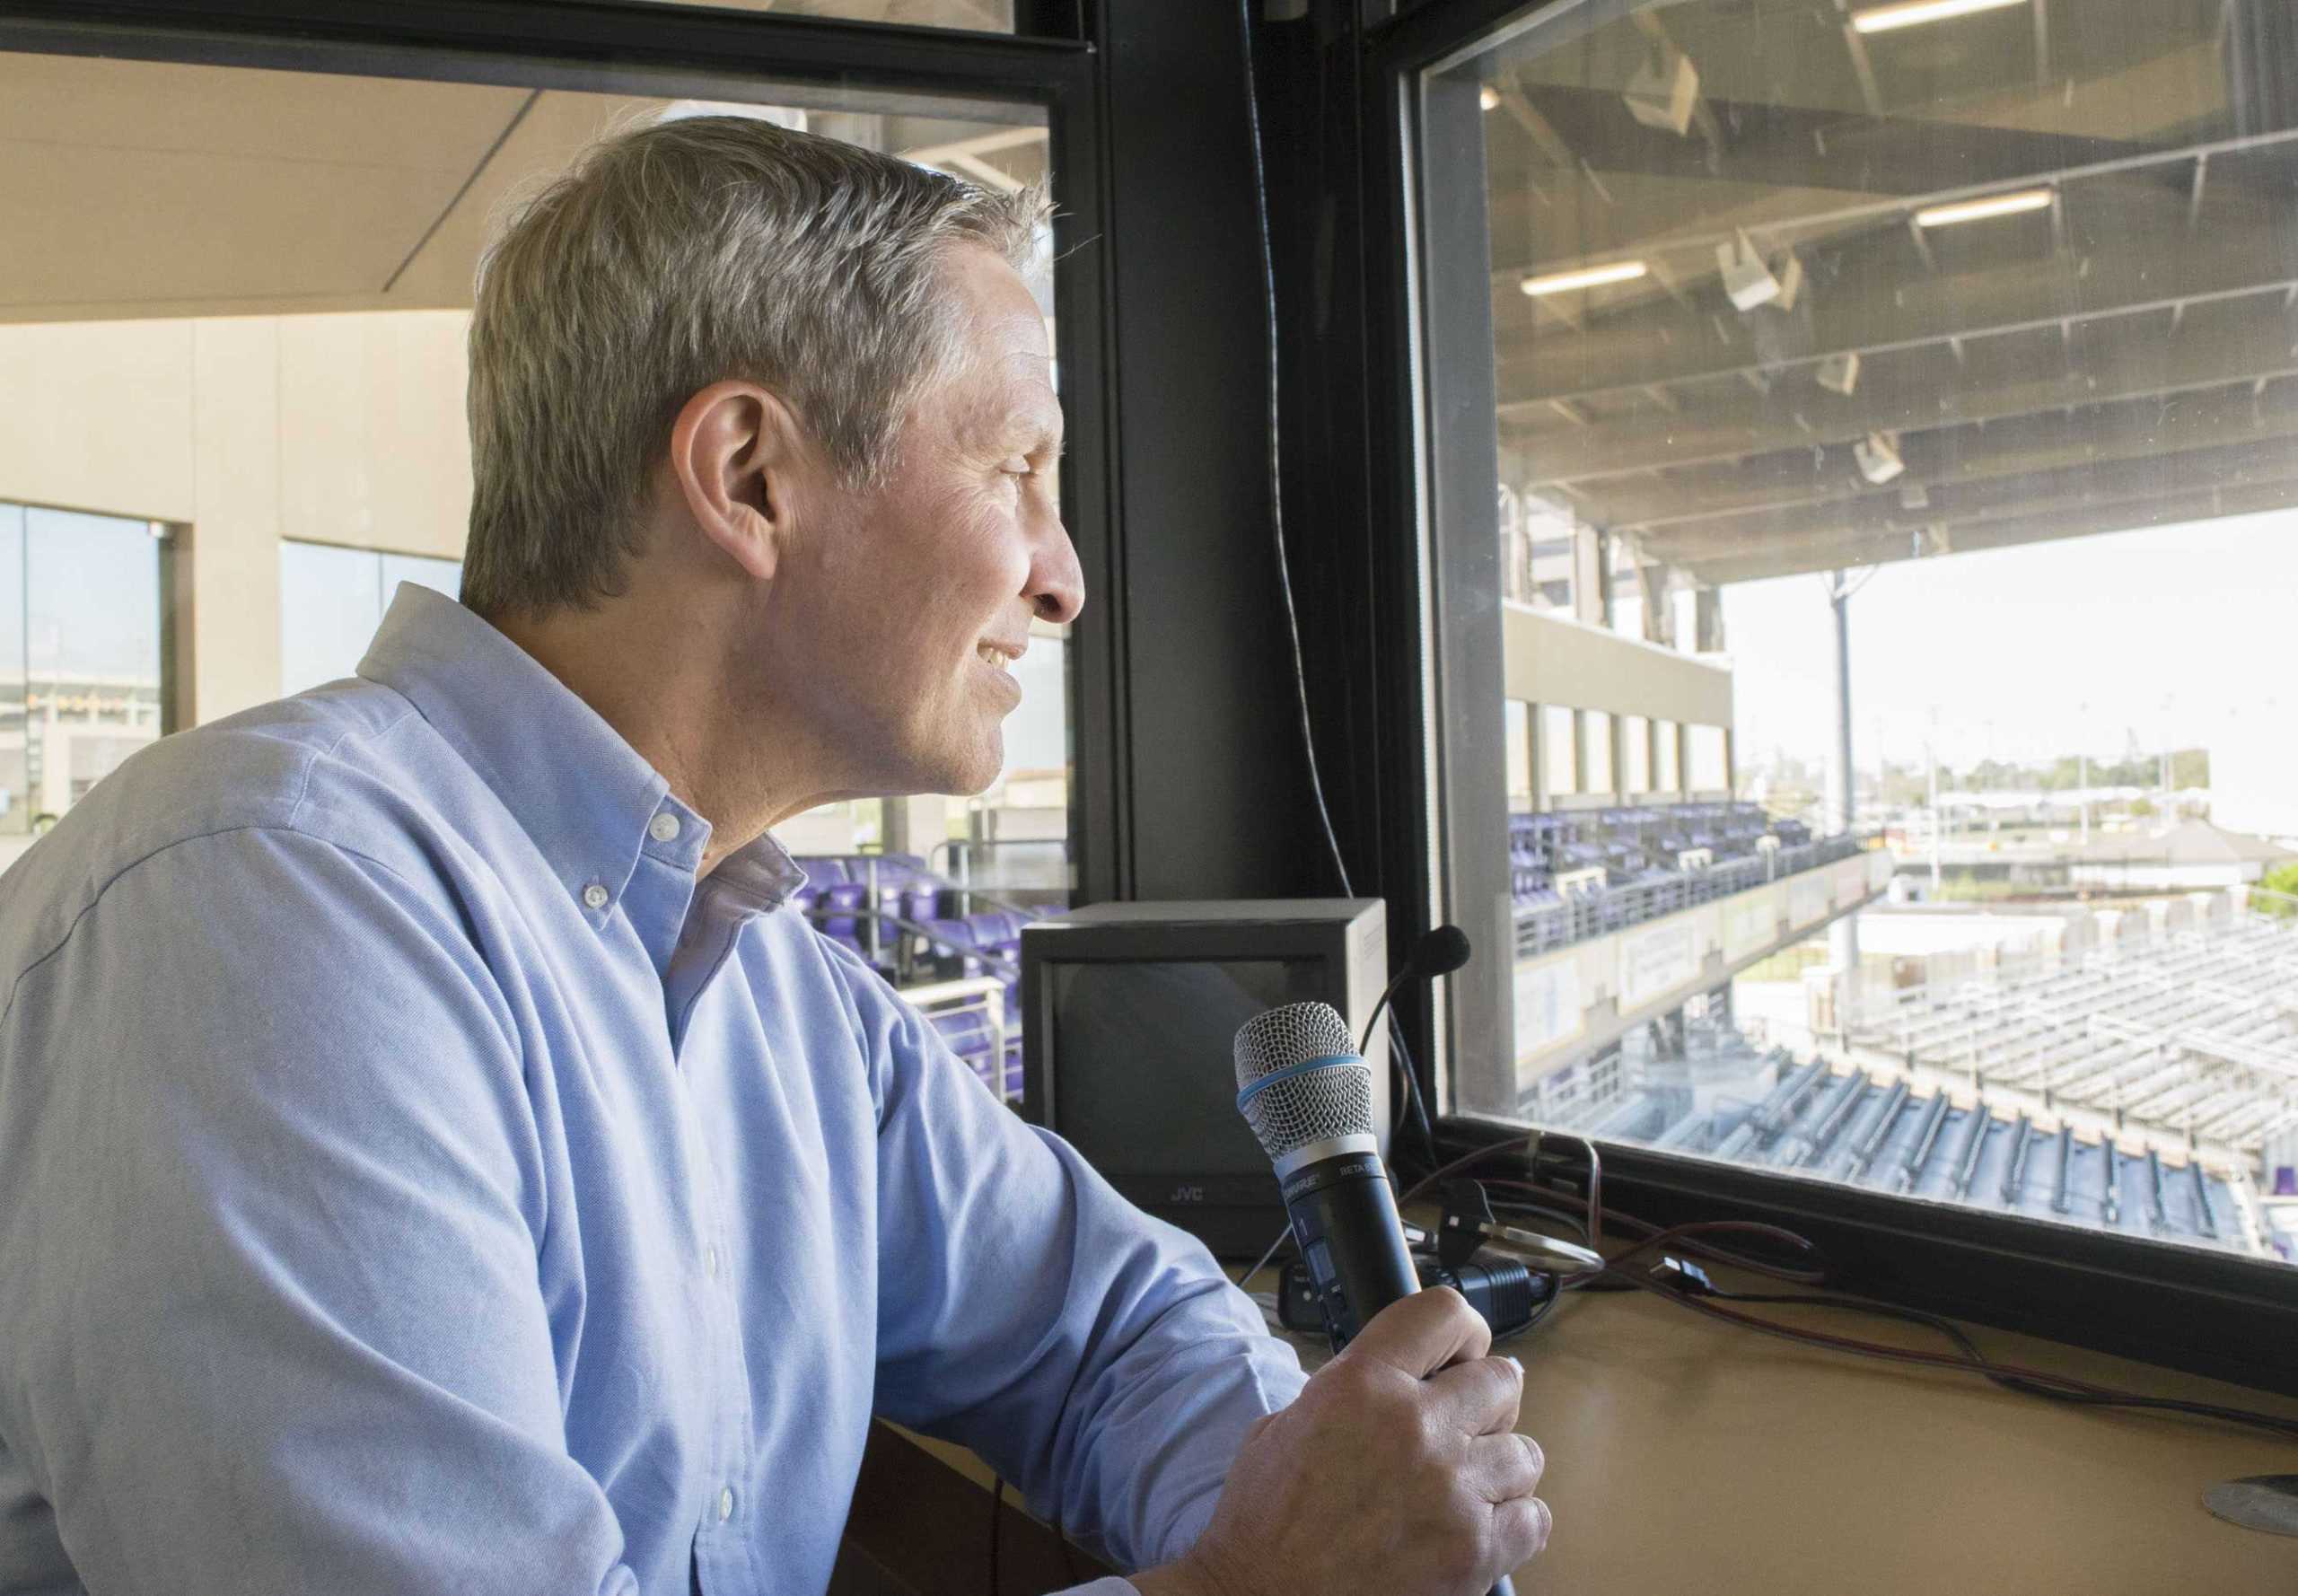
{"type": "Point", "coordinates": [431, 1157]}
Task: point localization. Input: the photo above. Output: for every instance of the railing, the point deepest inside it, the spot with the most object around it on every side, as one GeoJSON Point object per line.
{"type": "Point", "coordinates": [960, 870]}
{"type": "Point", "coordinates": [982, 995]}
{"type": "Point", "coordinates": [1595, 911]}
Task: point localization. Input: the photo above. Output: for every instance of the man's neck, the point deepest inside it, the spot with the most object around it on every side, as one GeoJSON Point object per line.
{"type": "Point", "coordinates": [663, 686]}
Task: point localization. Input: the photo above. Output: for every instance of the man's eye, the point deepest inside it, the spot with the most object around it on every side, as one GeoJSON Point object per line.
{"type": "Point", "coordinates": [1019, 466]}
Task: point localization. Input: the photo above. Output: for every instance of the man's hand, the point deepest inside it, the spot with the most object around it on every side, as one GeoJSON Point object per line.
{"type": "Point", "coordinates": [1398, 1471]}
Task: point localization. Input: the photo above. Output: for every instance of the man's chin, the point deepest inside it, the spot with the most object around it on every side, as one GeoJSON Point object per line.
{"type": "Point", "coordinates": [960, 776]}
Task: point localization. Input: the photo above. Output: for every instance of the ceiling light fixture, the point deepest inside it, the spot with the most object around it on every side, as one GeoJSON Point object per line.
{"type": "Point", "coordinates": [1488, 97]}
{"type": "Point", "coordinates": [1593, 276]}
{"type": "Point", "coordinates": [1914, 13]}
{"type": "Point", "coordinates": [1979, 210]}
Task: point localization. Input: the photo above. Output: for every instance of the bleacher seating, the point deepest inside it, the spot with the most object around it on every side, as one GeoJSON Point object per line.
{"type": "Point", "coordinates": [1641, 851]}
{"type": "Point", "coordinates": [918, 932]}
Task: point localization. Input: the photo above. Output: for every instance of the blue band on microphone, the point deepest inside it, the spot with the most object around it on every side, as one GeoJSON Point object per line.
{"type": "Point", "coordinates": [1290, 1070]}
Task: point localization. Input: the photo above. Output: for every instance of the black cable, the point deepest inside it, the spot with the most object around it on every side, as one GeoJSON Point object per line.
{"type": "Point", "coordinates": [1276, 458]}
{"type": "Point", "coordinates": [1262, 1262]}
{"type": "Point", "coordinates": [997, 1512]}
{"type": "Point", "coordinates": [1982, 1364]}
{"type": "Point", "coordinates": [1967, 1358]}
{"type": "Point", "coordinates": [1284, 563]}
{"type": "Point", "coordinates": [1412, 1088]}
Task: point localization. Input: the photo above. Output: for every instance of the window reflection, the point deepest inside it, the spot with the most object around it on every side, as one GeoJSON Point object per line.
{"type": "Point", "coordinates": [80, 666]}
{"type": "Point", "coordinates": [1951, 360]}
{"type": "Point", "coordinates": [331, 601]}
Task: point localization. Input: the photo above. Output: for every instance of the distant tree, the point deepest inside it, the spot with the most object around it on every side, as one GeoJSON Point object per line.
{"type": "Point", "coordinates": [2282, 881]}
{"type": "Point", "coordinates": [2142, 807]}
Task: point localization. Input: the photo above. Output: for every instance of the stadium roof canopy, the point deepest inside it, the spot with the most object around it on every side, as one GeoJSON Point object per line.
{"type": "Point", "coordinates": [2119, 354]}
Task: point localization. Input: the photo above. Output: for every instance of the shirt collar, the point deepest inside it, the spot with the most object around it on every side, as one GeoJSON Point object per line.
{"type": "Point", "coordinates": [585, 797]}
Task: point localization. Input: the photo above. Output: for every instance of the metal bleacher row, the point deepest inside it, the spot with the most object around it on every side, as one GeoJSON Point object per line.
{"type": "Point", "coordinates": [1578, 874]}
{"type": "Point", "coordinates": [2194, 1030]}
{"type": "Point", "coordinates": [1863, 1128]}
{"type": "Point", "coordinates": [954, 951]}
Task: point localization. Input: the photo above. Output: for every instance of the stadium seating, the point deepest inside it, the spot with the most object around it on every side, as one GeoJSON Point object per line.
{"type": "Point", "coordinates": [912, 926]}
{"type": "Point", "coordinates": [1641, 851]}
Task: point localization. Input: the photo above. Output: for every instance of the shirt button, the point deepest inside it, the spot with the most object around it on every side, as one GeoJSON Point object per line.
{"type": "Point", "coordinates": [663, 827]}
{"type": "Point", "coordinates": [725, 1504]}
{"type": "Point", "coordinates": [596, 896]}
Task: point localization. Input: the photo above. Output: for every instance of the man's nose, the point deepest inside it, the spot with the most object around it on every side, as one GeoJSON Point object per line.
{"type": "Point", "coordinates": [1056, 589]}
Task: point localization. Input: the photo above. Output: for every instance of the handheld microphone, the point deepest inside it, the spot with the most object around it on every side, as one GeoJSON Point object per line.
{"type": "Point", "coordinates": [1308, 1095]}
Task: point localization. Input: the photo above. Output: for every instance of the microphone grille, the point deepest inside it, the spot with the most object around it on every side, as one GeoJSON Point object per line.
{"type": "Point", "coordinates": [1316, 1105]}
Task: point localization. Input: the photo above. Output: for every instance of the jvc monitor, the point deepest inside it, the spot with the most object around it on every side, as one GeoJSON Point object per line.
{"type": "Point", "coordinates": [1130, 1011]}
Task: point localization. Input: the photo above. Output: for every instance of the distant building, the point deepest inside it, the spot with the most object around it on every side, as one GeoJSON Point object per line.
{"type": "Point", "coordinates": [2254, 785]}
{"type": "Point", "coordinates": [2195, 854]}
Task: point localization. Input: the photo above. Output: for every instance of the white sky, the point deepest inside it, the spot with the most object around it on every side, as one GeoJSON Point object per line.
{"type": "Point", "coordinates": [2184, 633]}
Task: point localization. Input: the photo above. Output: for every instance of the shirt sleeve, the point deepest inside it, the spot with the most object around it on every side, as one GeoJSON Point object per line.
{"type": "Point", "coordinates": [270, 1225]}
{"type": "Point", "coordinates": [1096, 1357]}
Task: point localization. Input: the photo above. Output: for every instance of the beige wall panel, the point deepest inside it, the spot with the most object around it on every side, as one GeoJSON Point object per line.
{"type": "Point", "coordinates": [234, 558]}
{"type": "Point", "coordinates": [373, 448]}
{"type": "Point", "coordinates": [1550, 659]}
{"type": "Point", "coordinates": [97, 416]}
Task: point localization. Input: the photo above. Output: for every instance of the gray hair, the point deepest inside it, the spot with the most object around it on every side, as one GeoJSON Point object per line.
{"type": "Point", "coordinates": [678, 255]}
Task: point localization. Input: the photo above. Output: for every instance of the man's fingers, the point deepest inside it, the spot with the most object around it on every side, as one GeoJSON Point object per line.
{"type": "Point", "coordinates": [1504, 1468]}
{"type": "Point", "coordinates": [1519, 1528]}
{"type": "Point", "coordinates": [1424, 1332]}
{"type": "Point", "coordinates": [1480, 1397]}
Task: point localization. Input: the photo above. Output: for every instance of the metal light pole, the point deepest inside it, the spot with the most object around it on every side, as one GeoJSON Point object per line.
{"type": "Point", "coordinates": [1843, 800]}
{"type": "Point", "coordinates": [1931, 757]}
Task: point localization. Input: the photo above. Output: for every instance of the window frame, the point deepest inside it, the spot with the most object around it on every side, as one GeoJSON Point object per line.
{"type": "Point", "coordinates": [2194, 1308]}
{"type": "Point", "coordinates": [1050, 62]}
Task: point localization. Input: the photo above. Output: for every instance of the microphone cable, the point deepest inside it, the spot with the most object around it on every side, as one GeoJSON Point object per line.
{"type": "Point", "coordinates": [1283, 564]}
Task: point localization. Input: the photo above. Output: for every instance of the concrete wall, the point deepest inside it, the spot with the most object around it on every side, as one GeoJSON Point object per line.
{"type": "Point", "coordinates": [242, 431]}
{"type": "Point", "coordinates": [1552, 659]}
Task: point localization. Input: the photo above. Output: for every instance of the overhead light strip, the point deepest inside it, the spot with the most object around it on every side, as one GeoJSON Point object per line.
{"type": "Point", "coordinates": [1914, 13]}
{"type": "Point", "coordinates": [1979, 210]}
{"type": "Point", "coordinates": [1593, 276]}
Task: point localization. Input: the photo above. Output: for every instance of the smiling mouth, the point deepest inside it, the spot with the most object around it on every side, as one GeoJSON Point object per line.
{"type": "Point", "coordinates": [995, 657]}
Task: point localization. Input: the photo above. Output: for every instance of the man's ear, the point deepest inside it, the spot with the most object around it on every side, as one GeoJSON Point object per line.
{"type": "Point", "coordinates": [735, 451]}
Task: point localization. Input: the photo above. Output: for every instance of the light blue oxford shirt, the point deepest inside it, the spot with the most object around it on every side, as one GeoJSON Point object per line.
{"type": "Point", "coordinates": [413, 1179]}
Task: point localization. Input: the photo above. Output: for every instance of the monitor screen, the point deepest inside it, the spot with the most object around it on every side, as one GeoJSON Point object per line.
{"type": "Point", "coordinates": [1142, 1053]}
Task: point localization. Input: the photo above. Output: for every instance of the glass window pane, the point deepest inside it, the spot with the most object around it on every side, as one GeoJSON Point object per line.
{"type": "Point", "coordinates": [1623, 589]}
{"type": "Point", "coordinates": [1596, 732]}
{"type": "Point", "coordinates": [92, 629]}
{"type": "Point", "coordinates": [445, 576]}
{"type": "Point", "coordinates": [315, 236]}
{"type": "Point", "coordinates": [1559, 750]}
{"type": "Point", "coordinates": [1517, 722]}
{"type": "Point", "coordinates": [1709, 774]}
{"type": "Point", "coordinates": [329, 601]}
{"type": "Point", "coordinates": [1951, 358]}
{"type": "Point", "coordinates": [15, 795]}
